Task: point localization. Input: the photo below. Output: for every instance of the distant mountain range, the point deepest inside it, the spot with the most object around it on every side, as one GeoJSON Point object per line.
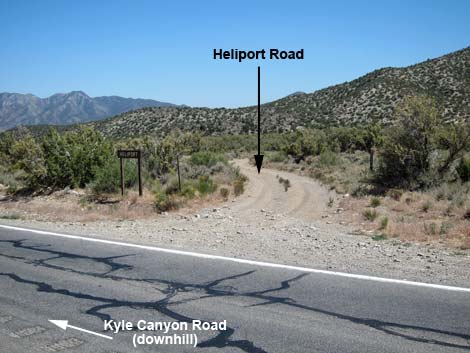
{"type": "Point", "coordinates": [376, 94]}
{"type": "Point", "coordinates": [446, 79]}
{"type": "Point", "coordinates": [64, 108]}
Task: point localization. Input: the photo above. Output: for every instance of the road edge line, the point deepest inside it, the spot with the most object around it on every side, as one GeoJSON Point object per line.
{"type": "Point", "coordinates": [243, 261]}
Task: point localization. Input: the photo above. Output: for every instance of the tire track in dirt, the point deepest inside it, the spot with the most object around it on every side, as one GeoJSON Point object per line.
{"type": "Point", "coordinates": [305, 199]}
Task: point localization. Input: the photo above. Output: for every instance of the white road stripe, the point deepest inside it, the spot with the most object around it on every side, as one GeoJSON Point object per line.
{"type": "Point", "coordinates": [243, 261]}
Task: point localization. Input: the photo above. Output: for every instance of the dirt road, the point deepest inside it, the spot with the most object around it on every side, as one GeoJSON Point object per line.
{"type": "Point", "coordinates": [305, 199]}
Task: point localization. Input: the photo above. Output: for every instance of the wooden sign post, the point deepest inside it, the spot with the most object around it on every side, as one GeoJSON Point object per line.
{"type": "Point", "coordinates": [178, 169]}
{"type": "Point", "coordinates": [125, 154]}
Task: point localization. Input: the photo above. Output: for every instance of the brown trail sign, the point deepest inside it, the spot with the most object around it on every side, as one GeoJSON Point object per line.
{"type": "Point", "coordinates": [135, 154]}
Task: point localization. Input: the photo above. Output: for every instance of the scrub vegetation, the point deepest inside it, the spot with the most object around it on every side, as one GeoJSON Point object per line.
{"type": "Point", "coordinates": [408, 178]}
{"type": "Point", "coordinates": [378, 93]}
{"type": "Point", "coordinates": [83, 159]}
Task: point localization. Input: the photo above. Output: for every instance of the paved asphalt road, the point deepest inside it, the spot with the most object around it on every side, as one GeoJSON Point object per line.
{"type": "Point", "coordinates": [46, 277]}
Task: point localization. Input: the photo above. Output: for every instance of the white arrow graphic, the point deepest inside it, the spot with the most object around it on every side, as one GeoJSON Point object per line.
{"type": "Point", "coordinates": [64, 324]}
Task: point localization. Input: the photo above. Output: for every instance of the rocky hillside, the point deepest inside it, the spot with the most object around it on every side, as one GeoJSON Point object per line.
{"type": "Point", "coordinates": [69, 108]}
{"type": "Point", "coordinates": [446, 78]}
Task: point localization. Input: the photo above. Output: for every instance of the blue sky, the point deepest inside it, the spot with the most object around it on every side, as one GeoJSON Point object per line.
{"type": "Point", "coordinates": [163, 49]}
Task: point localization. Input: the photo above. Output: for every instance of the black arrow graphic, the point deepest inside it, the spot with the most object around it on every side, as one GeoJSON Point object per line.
{"type": "Point", "coordinates": [259, 156]}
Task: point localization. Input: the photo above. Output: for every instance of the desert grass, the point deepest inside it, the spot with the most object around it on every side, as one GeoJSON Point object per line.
{"type": "Point", "coordinates": [439, 215]}
{"type": "Point", "coordinates": [416, 216]}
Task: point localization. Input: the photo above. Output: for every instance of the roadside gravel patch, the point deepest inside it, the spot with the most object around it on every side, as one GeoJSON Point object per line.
{"type": "Point", "coordinates": [280, 238]}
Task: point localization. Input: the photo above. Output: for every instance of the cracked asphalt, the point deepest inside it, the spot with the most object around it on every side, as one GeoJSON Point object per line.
{"type": "Point", "coordinates": [44, 277]}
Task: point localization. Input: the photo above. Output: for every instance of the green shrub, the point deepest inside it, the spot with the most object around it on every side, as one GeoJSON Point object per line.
{"type": "Point", "coordinates": [407, 149]}
{"type": "Point", "coordinates": [466, 214]}
{"type": "Point", "coordinates": [454, 138]}
{"type": "Point", "coordinates": [379, 237]}
{"type": "Point", "coordinates": [56, 160]}
{"type": "Point", "coordinates": [329, 158]}
{"type": "Point", "coordinates": [285, 182]}
{"type": "Point", "coordinates": [463, 169]}
{"type": "Point", "coordinates": [419, 149]}
{"type": "Point", "coordinates": [12, 216]}
{"type": "Point", "coordinates": [239, 185]}
{"type": "Point", "coordinates": [72, 158]}
{"type": "Point", "coordinates": [445, 227]}
{"type": "Point", "coordinates": [9, 179]}
{"type": "Point", "coordinates": [188, 190]}
{"type": "Point", "coordinates": [205, 185]}
{"type": "Point", "coordinates": [28, 161]}
{"type": "Point", "coordinates": [164, 202]}
{"type": "Point", "coordinates": [383, 223]}
{"type": "Point", "coordinates": [331, 202]}
{"type": "Point", "coordinates": [440, 195]}
{"type": "Point", "coordinates": [224, 192]}
{"type": "Point", "coordinates": [306, 142]}
{"type": "Point", "coordinates": [430, 228]}
{"type": "Point", "coordinates": [370, 138]}
{"type": "Point", "coordinates": [172, 185]}
{"type": "Point", "coordinates": [345, 138]}
{"type": "Point", "coordinates": [208, 159]}
{"type": "Point", "coordinates": [374, 202]}
{"type": "Point", "coordinates": [395, 194]}
{"type": "Point", "coordinates": [370, 215]}
{"type": "Point", "coordinates": [425, 207]}
{"type": "Point", "coordinates": [12, 189]}
{"type": "Point", "coordinates": [360, 190]}
{"type": "Point", "coordinates": [107, 179]}
{"type": "Point", "coordinates": [277, 157]}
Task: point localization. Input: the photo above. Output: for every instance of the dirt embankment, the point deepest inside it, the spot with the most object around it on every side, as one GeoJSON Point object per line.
{"type": "Point", "coordinates": [270, 224]}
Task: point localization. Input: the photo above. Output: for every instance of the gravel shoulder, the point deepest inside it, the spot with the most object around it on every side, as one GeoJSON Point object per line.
{"type": "Point", "coordinates": [269, 224]}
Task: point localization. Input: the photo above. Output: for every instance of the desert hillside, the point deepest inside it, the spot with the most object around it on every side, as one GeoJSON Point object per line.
{"type": "Point", "coordinates": [446, 79]}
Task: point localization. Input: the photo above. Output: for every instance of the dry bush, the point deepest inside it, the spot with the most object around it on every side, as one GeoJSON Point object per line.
{"type": "Point", "coordinates": [224, 192]}
{"type": "Point", "coordinates": [444, 222]}
{"type": "Point", "coordinates": [395, 194]}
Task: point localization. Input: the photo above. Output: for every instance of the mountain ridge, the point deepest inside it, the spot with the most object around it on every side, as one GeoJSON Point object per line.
{"type": "Point", "coordinates": [376, 94]}
{"type": "Point", "coordinates": [64, 108]}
